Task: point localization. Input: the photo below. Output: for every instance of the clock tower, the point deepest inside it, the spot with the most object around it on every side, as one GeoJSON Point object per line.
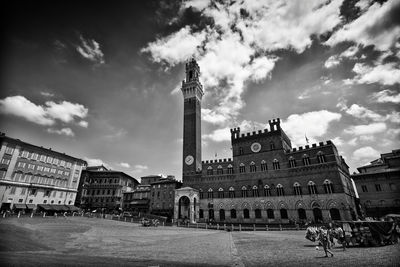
{"type": "Point", "coordinates": [192, 93]}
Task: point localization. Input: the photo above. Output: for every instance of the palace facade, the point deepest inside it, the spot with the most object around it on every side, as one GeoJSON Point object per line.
{"type": "Point", "coordinates": [266, 180]}
{"type": "Point", "coordinates": [37, 178]}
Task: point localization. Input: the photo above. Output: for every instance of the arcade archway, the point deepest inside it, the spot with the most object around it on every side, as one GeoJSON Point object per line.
{"type": "Point", "coordinates": [184, 208]}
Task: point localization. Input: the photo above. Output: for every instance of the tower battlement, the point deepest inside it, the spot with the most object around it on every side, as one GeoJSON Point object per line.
{"type": "Point", "coordinates": [274, 126]}
{"type": "Point", "coordinates": [307, 147]}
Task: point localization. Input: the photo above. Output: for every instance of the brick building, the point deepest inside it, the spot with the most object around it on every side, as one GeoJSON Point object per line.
{"type": "Point", "coordinates": [150, 179]}
{"type": "Point", "coordinates": [37, 178]}
{"type": "Point", "coordinates": [378, 185]}
{"type": "Point", "coordinates": [163, 196]}
{"type": "Point", "coordinates": [266, 180]}
{"type": "Point", "coordinates": [138, 200]}
{"type": "Point", "coordinates": [103, 189]}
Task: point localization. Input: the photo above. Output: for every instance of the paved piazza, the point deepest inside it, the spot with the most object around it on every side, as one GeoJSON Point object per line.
{"type": "Point", "coordinates": [98, 242]}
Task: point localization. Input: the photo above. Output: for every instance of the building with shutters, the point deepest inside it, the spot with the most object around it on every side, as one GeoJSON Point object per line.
{"type": "Point", "coordinates": [37, 178]}
{"type": "Point", "coordinates": [103, 189]}
{"type": "Point", "coordinates": [378, 185]}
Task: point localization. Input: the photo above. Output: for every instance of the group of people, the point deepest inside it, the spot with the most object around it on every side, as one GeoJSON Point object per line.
{"type": "Point", "coordinates": [325, 236]}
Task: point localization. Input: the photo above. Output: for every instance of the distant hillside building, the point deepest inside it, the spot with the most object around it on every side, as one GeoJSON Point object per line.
{"type": "Point", "coordinates": [34, 177]}
{"type": "Point", "coordinates": [378, 185]}
{"type": "Point", "coordinates": [266, 180]}
{"type": "Point", "coordinates": [103, 189]}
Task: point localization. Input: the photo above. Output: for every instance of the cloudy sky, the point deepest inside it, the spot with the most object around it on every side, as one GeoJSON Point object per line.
{"type": "Point", "coordinates": [100, 81]}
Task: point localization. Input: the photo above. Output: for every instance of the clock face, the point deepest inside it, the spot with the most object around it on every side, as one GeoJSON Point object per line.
{"type": "Point", "coordinates": [255, 147]}
{"type": "Point", "coordinates": [189, 160]}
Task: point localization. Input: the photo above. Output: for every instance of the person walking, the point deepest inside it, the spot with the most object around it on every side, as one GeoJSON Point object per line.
{"type": "Point", "coordinates": [324, 239]}
{"type": "Point", "coordinates": [341, 236]}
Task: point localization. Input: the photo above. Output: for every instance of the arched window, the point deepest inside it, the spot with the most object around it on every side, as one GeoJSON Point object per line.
{"type": "Point", "coordinates": [264, 166]}
{"type": "Point", "coordinates": [257, 213]}
{"type": "Point", "coordinates": [240, 150]}
{"type": "Point", "coordinates": [230, 169]}
{"type": "Point", "coordinates": [222, 215]}
{"type": "Point", "coordinates": [306, 160]}
{"type": "Point", "coordinates": [297, 189]}
{"type": "Point", "coordinates": [201, 214]}
{"type": "Point", "coordinates": [267, 191]}
{"type": "Point", "coordinates": [242, 168]}
{"type": "Point", "coordinates": [211, 214]}
{"type": "Point", "coordinates": [321, 157]}
{"type": "Point", "coordinates": [233, 214]}
{"type": "Point", "coordinates": [220, 193]}
{"type": "Point", "coordinates": [201, 193]}
{"type": "Point", "coordinates": [312, 188]}
{"type": "Point", "coordinates": [328, 187]}
{"type": "Point", "coordinates": [209, 170]}
{"type": "Point", "coordinates": [275, 164]}
{"type": "Point", "coordinates": [220, 170]}
{"type": "Point", "coordinates": [255, 191]}
{"type": "Point", "coordinates": [244, 191]}
{"type": "Point", "coordinates": [335, 214]}
{"type": "Point", "coordinates": [210, 193]}
{"type": "Point", "coordinates": [279, 190]}
{"type": "Point", "coordinates": [284, 214]}
{"type": "Point", "coordinates": [246, 213]}
{"type": "Point", "coordinates": [231, 192]}
{"type": "Point", "coordinates": [270, 214]}
{"type": "Point", "coordinates": [302, 214]}
{"type": "Point", "coordinates": [253, 167]}
{"type": "Point", "coordinates": [272, 145]}
{"type": "Point", "coordinates": [292, 162]}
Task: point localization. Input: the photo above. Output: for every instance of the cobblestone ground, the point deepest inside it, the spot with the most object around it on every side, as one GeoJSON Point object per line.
{"type": "Point", "coordinates": [89, 241]}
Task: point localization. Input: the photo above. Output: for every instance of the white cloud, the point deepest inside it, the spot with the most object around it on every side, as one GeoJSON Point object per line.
{"type": "Point", "coordinates": [197, 4]}
{"type": "Point", "coordinates": [96, 162]}
{"type": "Point", "coordinates": [349, 52]}
{"type": "Point", "coordinates": [46, 94]}
{"type": "Point", "coordinates": [332, 61]}
{"type": "Point", "coordinates": [393, 117]}
{"type": "Point", "coordinates": [338, 141]}
{"type": "Point", "coordinates": [353, 141]}
{"type": "Point", "coordinates": [22, 107]}
{"type": "Point", "coordinates": [65, 111]}
{"type": "Point", "coordinates": [363, 113]}
{"type": "Point", "coordinates": [124, 165]}
{"type": "Point", "coordinates": [139, 168]}
{"type": "Point", "coordinates": [83, 124]}
{"type": "Point", "coordinates": [63, 131]}
{"type": "Point", "coordinates": [224, 134]}
{"type": "Point", "coordinates": [219, 135]}
{"type": "Point", "coordinates": [239, 48]}
{"type": "Point", "coordinates": [177, 47]}
{"type": "Point", "coordinates": [366, 138]}
{"type": "Point", "coordinates": [367, 129]}
{"type": "Point", "coordinates": [90, 49]}
{"type": "Point", "coordinates": [211, 116]}
{"type": "Point", "coordinates": [314, 124]}
{"type": "Point", "coordinates": [387, 74]}
{"type": "Point", "coordinates": [47, 114]}
{"type": "Point", "coordinates": [386, 96]}
{"type": "Point", "coordinates": [365, 153]}
{"type": "Point", "coordinates": [371, 28]}
{"type": "Point", "coordinates": [335, 60]}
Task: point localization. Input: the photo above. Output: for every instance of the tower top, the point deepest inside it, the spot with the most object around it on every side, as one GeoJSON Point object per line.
{"type": "Point", "coordinates": [191, 86]}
